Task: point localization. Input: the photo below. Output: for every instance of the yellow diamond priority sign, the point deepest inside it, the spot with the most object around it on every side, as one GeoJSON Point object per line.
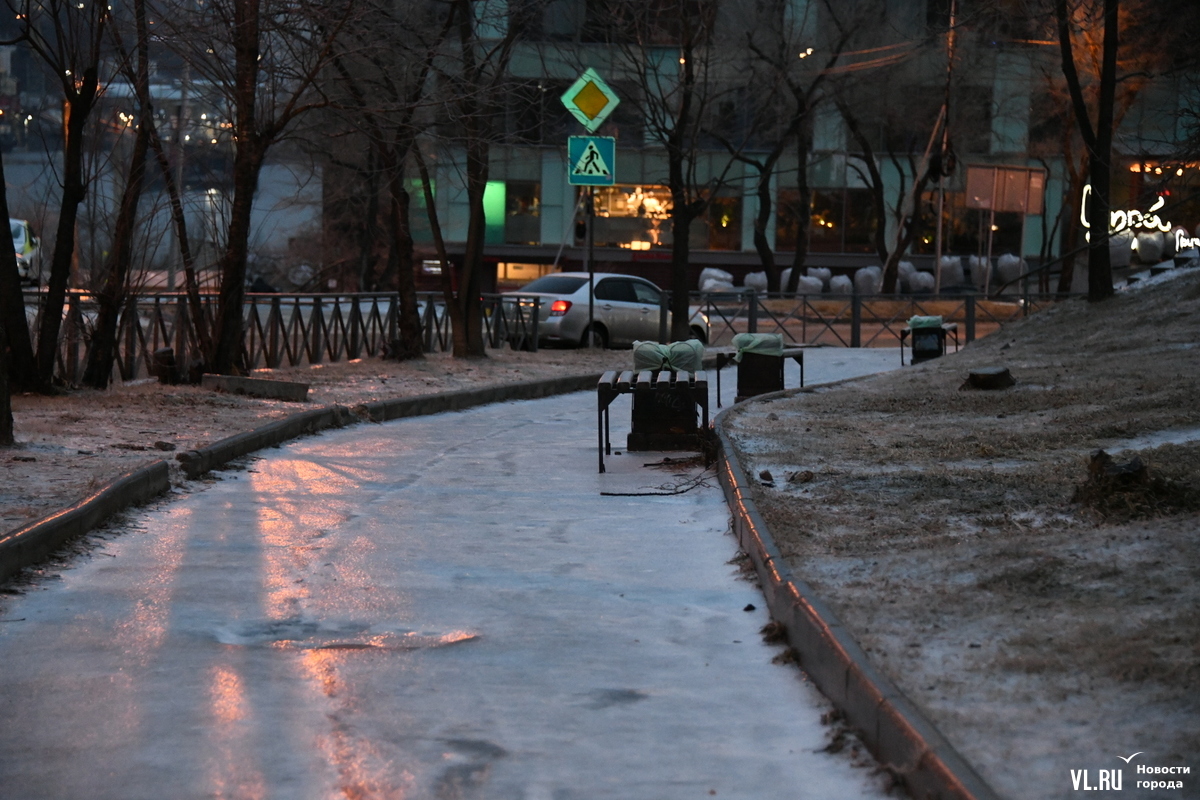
{"type": "Point", "coordinates": [590, 100]}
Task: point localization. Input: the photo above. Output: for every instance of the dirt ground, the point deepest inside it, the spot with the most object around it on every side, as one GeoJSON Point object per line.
{"type": "Point", "coordinates": [1046, 620]}
{"type": "Point", "coordinates": [69, 445]}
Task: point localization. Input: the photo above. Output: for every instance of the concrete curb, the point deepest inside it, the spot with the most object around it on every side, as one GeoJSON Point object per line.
{"type": "Point", "coordinates": [384, 410]}
{"type": "Point", "coordinates": [892, 726]}
{"type": "Point", "coordinates": [197, 462]}
{"type": "Point", "coordinates": [38, 540]}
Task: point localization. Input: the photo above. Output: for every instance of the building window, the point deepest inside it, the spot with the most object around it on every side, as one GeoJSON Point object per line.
{"type": "Point", "coordinates": [843, 221]}
{"type": "Point", "coordinates": [634, 217]}
{"type": "Point", "coordinates": [648, 23]}
{"type": "Point", "coordinates": [828, 212]}
{"type": "Point", "coordinates": [790, 214]}
{"type": "Point", "coordinates": [522, 213]}
{"type": "Point", "coordinates": [724, 223]}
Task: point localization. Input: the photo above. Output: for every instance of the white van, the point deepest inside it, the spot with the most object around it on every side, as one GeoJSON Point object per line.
{"type": "Point", "coordinates": [25, 245]}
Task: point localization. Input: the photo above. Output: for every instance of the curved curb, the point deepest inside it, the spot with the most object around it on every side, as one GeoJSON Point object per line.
{"type": "Point", "coordinates": [384, 410]}
{"type": "Point", "coordinates": [36, 541]}
{"type": "Point", "coordinates": [197, 462]}
{"type": "Point", "coordinates": [892, 727]}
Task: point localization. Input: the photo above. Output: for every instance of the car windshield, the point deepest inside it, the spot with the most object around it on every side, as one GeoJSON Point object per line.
{"type": "Point", "coordinates": [18, 232]}
{"type": "Point", "coordinates": [554, 284]}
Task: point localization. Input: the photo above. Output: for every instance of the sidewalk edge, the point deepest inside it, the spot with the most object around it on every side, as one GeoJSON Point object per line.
{"type": "Point", "coordinates": [38, 540]}
{"type": "Point", "coordinates": [893, 728]}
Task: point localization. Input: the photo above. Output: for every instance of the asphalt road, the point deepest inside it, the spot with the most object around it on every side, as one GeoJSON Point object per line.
{"type": "Point", "coordinates": [441, 607]}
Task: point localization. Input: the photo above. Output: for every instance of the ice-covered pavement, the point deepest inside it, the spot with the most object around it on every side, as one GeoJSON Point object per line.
{"type": "Point", "coordinates": [440, 607]}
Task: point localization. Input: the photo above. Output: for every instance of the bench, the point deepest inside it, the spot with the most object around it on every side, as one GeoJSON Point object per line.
{"type": "Point", "coordinates": [650, 386]}
{"type": "Point", "coordinates": [724, 358]}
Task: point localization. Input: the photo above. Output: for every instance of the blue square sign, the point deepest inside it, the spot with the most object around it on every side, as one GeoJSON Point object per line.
{"type": "Point", "coordinates": [591, 160]}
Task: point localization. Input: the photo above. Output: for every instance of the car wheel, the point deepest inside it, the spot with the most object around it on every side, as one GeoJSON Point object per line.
{"type": "Point", "coordinates": [698, 333]}
{"type": "Point", "coordinates": [594, 336]}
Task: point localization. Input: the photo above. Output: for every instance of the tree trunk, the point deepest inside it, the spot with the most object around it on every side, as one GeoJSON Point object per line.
{"type": "Point", "coordinates": [78, 107]}
{"type": "Point", "coordinates": [227, 357]}
{"type": "Point", "coordinates": [804, 201]}
{"type": "Point", "coordinates": [408, 345]}
{"type": "Point", "coordinates": [6, 420]}
{"type": "Point", "coordinates": [1098, 139]}
{"type": "Point", "coordinates": [762, 244]}
{"type": "Point", "coordinates": [681, 225]}
{"type": "Point", "coordinates": [22, 373]}
{"type": "Point", "coordinates": [199, 319]}
{"type": "Point", "coordinates": [112, 296]}
{"type": "Point", "coordinates": [369, 278]}
{"type": "Point", "coordinates": [247, 163]}
{"type": "Point", "coordinates": [470, 343]}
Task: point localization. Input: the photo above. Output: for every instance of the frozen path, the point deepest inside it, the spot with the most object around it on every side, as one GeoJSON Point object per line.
{"type": "Point", "coordinates": [441, 607]}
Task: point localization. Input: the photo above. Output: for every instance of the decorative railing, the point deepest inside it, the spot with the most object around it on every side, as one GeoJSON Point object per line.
{"type": "Point", "coordinates": [296, 329]}
{"type": "Point", "coordinates": [279, 329]}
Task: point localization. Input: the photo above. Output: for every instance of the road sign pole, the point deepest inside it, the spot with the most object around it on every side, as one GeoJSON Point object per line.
{"type": "Point", "coordinates": [591, 264]}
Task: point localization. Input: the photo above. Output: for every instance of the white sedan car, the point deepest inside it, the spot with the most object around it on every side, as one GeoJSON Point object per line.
{"type": "Point", "coordinates": [25, 245]}
{"type": "Point", "coordinates": [626, 309]}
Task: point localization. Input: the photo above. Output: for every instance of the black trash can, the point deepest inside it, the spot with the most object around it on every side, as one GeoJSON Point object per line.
{"type": "Point", "coordinates": [928, 343]}
{"type": "Point", "coordinates": [663, 419]}
{"type": "Point", "coordinates": [758, 374]}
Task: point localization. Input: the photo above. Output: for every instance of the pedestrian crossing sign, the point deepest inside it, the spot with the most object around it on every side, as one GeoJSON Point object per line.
{"type": "Point", "coordinates": [591, 160]}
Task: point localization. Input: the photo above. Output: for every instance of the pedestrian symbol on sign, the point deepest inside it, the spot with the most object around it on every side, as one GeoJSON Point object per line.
{"type": "Point", "coordinates": [591, 163]}
{"type": "Point", "coordinates": [591, 160]}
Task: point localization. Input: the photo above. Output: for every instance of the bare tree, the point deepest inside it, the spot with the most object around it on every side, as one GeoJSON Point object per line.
{"type": "Point", "coordinates": [264, 57]}
{"type": "Point", "coordinates": [384, 88]}
{"type": "Point", "coordinates": [1097, 135]}
{"type": "Point", "coordinates": [668, 50]}
{"type": "Point", "coordinates": [471, 70]}
{"type": "Point", "coordinates": [1154, 41]}
{"type": "Point", "coordinates": [69, 38]}
{"type": "Point", "coordinates": [788, 85]}
{"type": "Point", "coordinates": [6, 418]}
{"type": "Point", "coordinates": [115, 281]}
{"type": "Point", "coordinates": [17, 347]}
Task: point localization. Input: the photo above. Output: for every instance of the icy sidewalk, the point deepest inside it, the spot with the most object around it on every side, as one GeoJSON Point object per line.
{"type": "Point", "coordinates": [438, 607]}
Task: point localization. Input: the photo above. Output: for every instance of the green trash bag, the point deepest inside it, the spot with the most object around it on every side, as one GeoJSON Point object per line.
{"type": "Point", "coordinates": [677, 356]}
{"type": "Point", "coordinates": [924, 322]}
{"type": "Point", "coordinates": [764, 344]}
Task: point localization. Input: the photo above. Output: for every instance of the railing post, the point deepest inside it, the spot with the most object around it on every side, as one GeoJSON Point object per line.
{"type": "Point", "coordinates": [274, 328]}
{"type": "Point", "coordinates": [534, 324]}
{"type": "Point", "coordinates": [855, 317]}
{"type": "Point", "coordinates": [131, 325]}
{"type": "Point", "coordinates": [427, 323]}
{"type": "Point", "coordinates": [72, 340]}
{"type": "Point", "coordinates": [664, 312]}
{"type": "Point", "coordinates": [316, 331]}
{"type": "Point", "coordinates": [752, 312]}
{"type": "Point", "coordinates": [181, 340]}
{"type": "Point", "coordinates": [970, 324]}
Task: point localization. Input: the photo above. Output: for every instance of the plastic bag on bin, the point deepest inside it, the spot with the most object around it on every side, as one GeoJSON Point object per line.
{"type": "Point", "coordinates": [676, 356]}
{"type": "Point", "coordinates": [766, 344]}
{"type": "Point", "coordinates": [924, 322]}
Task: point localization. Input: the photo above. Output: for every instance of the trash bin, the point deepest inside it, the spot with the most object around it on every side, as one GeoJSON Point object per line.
{"type": "Point", "coordinates": [760, 364]}
{"type": "Point", "coordinates": [928, 338]}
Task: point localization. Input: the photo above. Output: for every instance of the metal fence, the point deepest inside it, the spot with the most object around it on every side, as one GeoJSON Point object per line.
{"type": "Point", "coordinates": [296, 329]}
{"type": "Point", "coordinates": [856, 320]}
{"type": "Point", "coordinates": [279, 329]}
